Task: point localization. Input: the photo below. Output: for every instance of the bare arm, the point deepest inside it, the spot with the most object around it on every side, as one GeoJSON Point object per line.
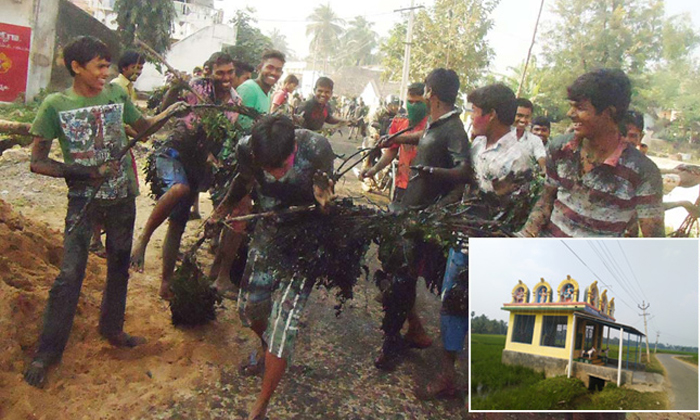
{"type": "Point", "coordinates": [540, 214]}
{"type": "Point", "coordinates": [652, 228]}
{"type": "Point", "coordinates": [409, 138]}
{"type": "Point", "coordinates": [240, 187]}
{"type": "Point", "coordinates": [387, 157]}
{"type": "Point", "coordinates": [42, 164]}
{"type": "Point", "coordinates": [460, 174]}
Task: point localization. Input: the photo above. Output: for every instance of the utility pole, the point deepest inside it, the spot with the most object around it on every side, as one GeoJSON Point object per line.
{"type": "Point", "coordinates": [407, 50]}
{"type": "Point", "coordinates": [657, 341]}
{"type": "Point", "coordinates": [529, 52]}
{"type": "Point", "coordinates": [644, 308]}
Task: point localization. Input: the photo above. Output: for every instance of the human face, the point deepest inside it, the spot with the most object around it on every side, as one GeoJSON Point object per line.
{"type": "Point", "coordinates": [290, 87]}
{"type": "Point", "coordinates": [91, 78]}
{"type": "Point", "coordinates": [634, 135]}
{"type": "Point", "coordinates": [238, 80]}
{"type": "Point", "coordinates": [587, 122]}
{"type": "Point", "coordinates": [270, 71]}
{"type": "Point", "coordinates": [480, 121]}
{"type": "Point", "coordinates": [541, 131]}
{"type": "Point", "coordinates": [414, 99]}
{"type": "Point", "coordinates": [223, 75]}
{"type": "Point", "coordinates": [133, 71]}
{"type": "Point", "coordinates": [523, 117]}
{"type": "Point", "coordinates": [323, 94]}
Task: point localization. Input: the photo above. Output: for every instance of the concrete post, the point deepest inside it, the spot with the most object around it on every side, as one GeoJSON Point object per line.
{"type": "Point", "coordinates": [571, 350]}
{"type": "Point", "coordinates": [619, 357]}
{"type": "Point", "coordinates": [42, 49]}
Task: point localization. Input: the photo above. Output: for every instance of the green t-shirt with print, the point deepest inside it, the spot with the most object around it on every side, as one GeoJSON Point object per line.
{"type": "Point", "coordinates": [253, 96]}
{"type": "Point", "coordinates": [91, 132]}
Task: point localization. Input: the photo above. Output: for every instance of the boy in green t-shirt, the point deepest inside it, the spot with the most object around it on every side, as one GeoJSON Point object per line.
{"type": "Point", "coordinates": [256, 93]}
{"type": "Point", "coordinates": [88, 121]}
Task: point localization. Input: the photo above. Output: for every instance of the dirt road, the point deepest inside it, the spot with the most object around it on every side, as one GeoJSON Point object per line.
{"type": "Point", "coordinates": [184, 373]}
{"type": "Point", "coordinates": [683, 378]}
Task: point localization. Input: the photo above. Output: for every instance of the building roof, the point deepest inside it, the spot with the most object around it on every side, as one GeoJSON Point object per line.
{"type": "Point", "coordinates": [611, 324]}
{"type": "Point", "coordinates": [583, 307]}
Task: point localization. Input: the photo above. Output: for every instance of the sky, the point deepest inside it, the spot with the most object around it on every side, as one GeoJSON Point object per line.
{"type": "Point", "coordinates": [510, 37]}
{"type": "Point", "coordinates": [663, 273]}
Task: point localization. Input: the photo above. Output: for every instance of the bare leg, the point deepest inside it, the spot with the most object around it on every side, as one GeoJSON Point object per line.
{"type": "Point", "coordinates": [416, 336]}
{"type": "Point", "coordinates": [195, 215]}
{"type": "Point", "coordinates": [171, 246]}
{"type": "Point", "coordinates": [274, 370]}
{"type": "Point", "coordinates": [228, 250]}
{"type": "Point", "coordinates": [160, 212]}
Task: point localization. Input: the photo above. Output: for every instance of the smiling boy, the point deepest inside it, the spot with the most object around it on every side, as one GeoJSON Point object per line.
{"type": "Point", "coordinates": [88, 120]}
{"type": "Point", "coordinates": [257, 93]}
{"type": "Point", "coordinates": [317, 111]}
{"type": "Point", "coordinates": [596, 182]}
{"type": "Point", "coordinates": [183, 164]}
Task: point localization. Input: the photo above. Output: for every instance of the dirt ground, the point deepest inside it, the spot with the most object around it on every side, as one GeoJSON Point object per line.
{"type": "Point", "coordinates": [181, 373]}
{"type": "Point", "coordinates": [191, 373]}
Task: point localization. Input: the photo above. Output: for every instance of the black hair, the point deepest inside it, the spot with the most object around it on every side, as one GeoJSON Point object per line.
{"type": "Point", "coordinates": [444, 83]}
{"type": "Point", "coordinates": [635, 118]}
{"type": "Point", "coordinates": [196, 69]}
{"type": "Point", "coordinates": [325, 82]}
{"type": "Point", "coordinates": [541, 121]}
{"type": "Point", "coordinates": [206, 65]}
{"type": "Point", "coordinates": [525, 103]}
{"type": "Point", "coordinates": [82, 50]}
{"type": "Point", "coordinates": [129, 58]}
{"type": "Point", "coordinates": [272, 140]}
{"type": "Point", "coordinates": [498, 97]}
{"type": "Point", "coordinates": [604, 88]}
{"type": "Point", "coordinates": [219, 59]}
{"type": "Point", "coordinates": [416, 88]}
{"type": "Point", "coordinates": [273, 54]}
{"type": "Point", "coordinates": [291, 79]}
{"type": "Point", "coordinates": [242, 68]}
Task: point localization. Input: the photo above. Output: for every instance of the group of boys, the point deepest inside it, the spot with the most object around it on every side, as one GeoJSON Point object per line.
{"type": "Point", "coordinates": [596, 183]}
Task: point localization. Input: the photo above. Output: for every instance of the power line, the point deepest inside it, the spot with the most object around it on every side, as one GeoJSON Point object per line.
{"type": "Point", "coordinates": [634, 275]}
{"type": "Point", "coordinates": [633, 293]}
{"type": "Point", "coordinates": [594, 273]}
{"type": "Point", "coordinates": [602, 259]}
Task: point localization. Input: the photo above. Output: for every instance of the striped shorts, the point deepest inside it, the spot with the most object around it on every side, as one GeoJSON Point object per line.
{"type": "Point", "coordinates": [290, 300]}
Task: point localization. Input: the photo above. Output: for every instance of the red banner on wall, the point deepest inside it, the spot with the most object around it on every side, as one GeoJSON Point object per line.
{"type": "Point", "coordinates": [14, 60]}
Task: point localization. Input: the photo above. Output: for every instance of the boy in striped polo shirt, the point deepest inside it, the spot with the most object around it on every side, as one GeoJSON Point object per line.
{"type": "Point", "coordinates": [596, 183]}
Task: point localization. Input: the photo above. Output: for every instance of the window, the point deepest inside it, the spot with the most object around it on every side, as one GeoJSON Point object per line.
{"type": "Point", "coordinates": [554, 331]}
{"type": "Point", "coordinates": [523, 328]}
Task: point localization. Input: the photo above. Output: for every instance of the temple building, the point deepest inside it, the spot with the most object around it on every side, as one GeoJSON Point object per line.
{"type": "Point", "coordinates": [567, 331]}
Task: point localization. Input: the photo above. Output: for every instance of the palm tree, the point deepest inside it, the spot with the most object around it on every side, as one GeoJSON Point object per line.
{"type": "Point", "coordinates": [358, 42]}
{"type": "Point", "coordinates": [279, 42]}
{"type": "Point", "coordinates": [325, 30]}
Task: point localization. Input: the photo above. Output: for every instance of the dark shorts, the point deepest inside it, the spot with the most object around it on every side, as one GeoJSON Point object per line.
{"type": "Point", "coordinates": [171, 171]}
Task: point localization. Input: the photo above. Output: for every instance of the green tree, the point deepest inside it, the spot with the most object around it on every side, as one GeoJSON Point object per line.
{"type": "Point", "coordinates": [250, 41]}
{"type": "Point", "coordinates": [150, 21]}
{"type": "Point", "coordinates": [450, 34]}
{"type": "Point", "coordinates": [325, 30]}
{"type": "Point", "coordinates": [633, 35]}
{"type": "Point", "coordinates": [359, 42]}
{"type": "Point", "coordinates": [279, 42]}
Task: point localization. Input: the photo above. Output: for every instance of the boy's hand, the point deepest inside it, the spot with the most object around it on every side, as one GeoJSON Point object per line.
{"type": "Point", "coordinates": [107, 169]}
{"type": "Point", "coordinates": [180, 108]}
{"type": "Point", "coordinates": [323, 189]}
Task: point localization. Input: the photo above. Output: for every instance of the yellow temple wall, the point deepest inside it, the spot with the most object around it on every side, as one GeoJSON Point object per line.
{"type": "Point", "coordinates": [535, 347]}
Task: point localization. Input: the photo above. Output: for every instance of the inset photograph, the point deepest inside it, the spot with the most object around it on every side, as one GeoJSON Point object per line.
{"type": "Point", "coordinates": [583, 324]}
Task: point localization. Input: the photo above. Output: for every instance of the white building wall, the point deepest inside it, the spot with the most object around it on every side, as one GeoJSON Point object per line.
{"type": "Point", "coordinates": [16, 12]}
{"type": "Point", "coordinates": [192, 51]}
